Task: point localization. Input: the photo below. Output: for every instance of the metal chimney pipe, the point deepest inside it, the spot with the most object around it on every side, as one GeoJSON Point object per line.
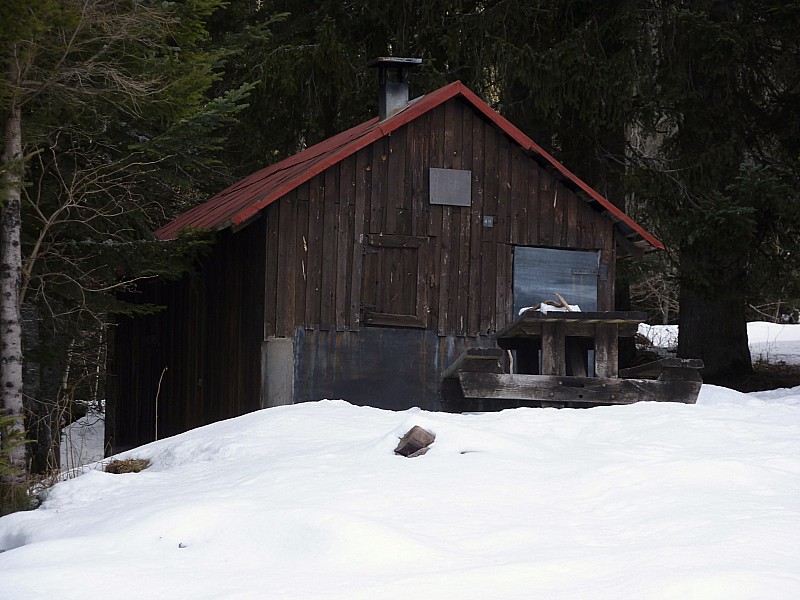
{"type": "Point", "coordinates": [393, 92]}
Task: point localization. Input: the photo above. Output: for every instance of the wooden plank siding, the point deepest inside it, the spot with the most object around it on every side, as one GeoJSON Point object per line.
{"type": "Point", "coordinates": [460, 280]}
{"type": "Point", "coordinates": [204, 347]}
{"type": "Point", "coordinates": [303, 263]}
{"type": "Point", "coordinates": [353, 255]}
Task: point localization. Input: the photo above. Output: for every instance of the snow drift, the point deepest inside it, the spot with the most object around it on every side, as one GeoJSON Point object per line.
{"type": "Point", "coordinates": [649, 501]}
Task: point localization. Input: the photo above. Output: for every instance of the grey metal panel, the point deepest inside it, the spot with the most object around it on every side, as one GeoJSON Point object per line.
{"type": "Point", "coordinates": [451, 186]}
{"type": "Point", "coordinates": [541, 272]}
{"type": "Point", "coordinates": [388, 368]}
{"type": "Point", "coordinates": [278, 371]}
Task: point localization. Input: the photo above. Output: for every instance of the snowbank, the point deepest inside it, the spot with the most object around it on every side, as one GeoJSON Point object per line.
{"type": "Point", "coordinates": [649, 501]}
{"type": "Point", "coordinates": [769, 342]}
{"type": "Point", "coordinates": [774, 343]}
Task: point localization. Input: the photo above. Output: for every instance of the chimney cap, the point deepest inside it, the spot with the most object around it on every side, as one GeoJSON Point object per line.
{"type": "Point", "coordinates": [393, 89]}
{"type": "Point", "coordinates": [392, 61]}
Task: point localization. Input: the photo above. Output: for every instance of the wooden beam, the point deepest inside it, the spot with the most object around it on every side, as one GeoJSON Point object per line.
{"type": "Point", "coordinates": [396, 241]}
{"type": "Point", "coordinates": [667, 368]}
{"type": "Point", "coordinates": [479, 360]}
{"type": "Point", "coordinates": [587, 391]}
{"type": "Point", "coordinates": [606, 350]}
{"type": "Point", "coordinates": [392, 320]}
{"type": "Point", "coordinates": [554, 358]}
{"type": "Point", "coordinates": [576, 322]}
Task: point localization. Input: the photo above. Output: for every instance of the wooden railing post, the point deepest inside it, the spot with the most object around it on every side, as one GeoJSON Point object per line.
{"type": "Point", "coordinates": [606, 352]}
{"type": "Point", "coordinates": [554, 361]}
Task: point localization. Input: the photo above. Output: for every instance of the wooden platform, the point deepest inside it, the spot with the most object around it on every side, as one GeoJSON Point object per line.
{"type": "Point", "coordinates": [479, 392]}
{"type": "Point", "coordinates": [532, 322]}
{"type": "Point", "coordinates": [479, 379]}
{"type": "Point", "coordinates": [565, 338]}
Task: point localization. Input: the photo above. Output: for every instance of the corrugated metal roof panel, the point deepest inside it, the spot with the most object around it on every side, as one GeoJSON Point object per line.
{"type": "Point", "coordinates": [243, 200]}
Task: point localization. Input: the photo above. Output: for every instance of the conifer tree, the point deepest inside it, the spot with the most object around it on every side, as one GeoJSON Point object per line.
{"type": "Point", "coordinates": [721, 178]}
{"type": "Point", "coordinates": [106, 125]}
{"type": "Point", "coordinates": [691, 108]}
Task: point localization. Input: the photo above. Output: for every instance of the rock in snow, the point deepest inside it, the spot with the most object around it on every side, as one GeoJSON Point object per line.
{"type": "Point", "coordinates": [415, 443]}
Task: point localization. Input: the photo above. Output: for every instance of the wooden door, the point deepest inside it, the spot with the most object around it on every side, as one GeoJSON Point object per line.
{"type": "Point", "coordinates": [394, 290]}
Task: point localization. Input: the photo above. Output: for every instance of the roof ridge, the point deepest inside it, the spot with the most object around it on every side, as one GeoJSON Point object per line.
{"type": "Point", "coordinates": [315, 159]}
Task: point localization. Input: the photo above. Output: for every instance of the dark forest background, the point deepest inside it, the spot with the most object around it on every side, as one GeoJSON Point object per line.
{"type": "Point", "coordinates": [128, 112]}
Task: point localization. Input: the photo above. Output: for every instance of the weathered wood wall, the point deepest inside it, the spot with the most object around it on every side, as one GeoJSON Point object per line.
{"type": "Point", "coordinates": [358, 244]}
{"type": "Point", "coordinates": [208, 339]}
{"type": "Point", "coordinates": [362, 235]}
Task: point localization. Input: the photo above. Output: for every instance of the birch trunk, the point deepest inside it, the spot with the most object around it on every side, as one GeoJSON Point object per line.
{"type": "Point", "coordinates": [10, 274]}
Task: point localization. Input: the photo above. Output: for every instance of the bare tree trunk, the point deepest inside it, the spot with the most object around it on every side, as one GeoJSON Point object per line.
{"type": "Point", "coordinates": [10, 273]}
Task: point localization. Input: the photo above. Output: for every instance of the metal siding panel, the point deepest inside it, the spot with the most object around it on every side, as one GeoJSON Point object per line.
{"type": "Point", "coordinates": [363, 369]}
{"type": "Point", "coordinates": [541, 272]}
{"type": "Point", "coordinates": [452, 187]}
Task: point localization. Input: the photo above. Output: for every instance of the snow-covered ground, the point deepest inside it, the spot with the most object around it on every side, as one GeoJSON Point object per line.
{"type": "Point", "coordinates": [774, 343]}
{"type": "Point", "coordinates": [648, 501]}
{"type": "Point", "coordinates": [769, 342]}
{"type": "Point", "coordinates": [82, 441]}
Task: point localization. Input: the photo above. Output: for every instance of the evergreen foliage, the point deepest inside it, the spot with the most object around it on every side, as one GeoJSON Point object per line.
{"type": "Point", "coordinates": [134, 111]}
{"type": "Point", "coordinates": [720, 180]}
{"type": "Point", "coordinates": [120, 133]}
{"type": "Point", "coordinates": [687, 110]}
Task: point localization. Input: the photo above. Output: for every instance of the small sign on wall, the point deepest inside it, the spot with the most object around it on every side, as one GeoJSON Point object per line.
{"type": "Point", "coordinates": [452, 187]}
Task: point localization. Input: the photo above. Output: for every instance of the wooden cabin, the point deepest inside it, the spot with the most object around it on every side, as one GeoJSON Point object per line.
{"type": "Point", "coordinates": [361, 267]}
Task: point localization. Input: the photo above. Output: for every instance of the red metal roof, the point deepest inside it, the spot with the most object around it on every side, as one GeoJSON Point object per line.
{"type": "Point", "coordinates": [242, 201]}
